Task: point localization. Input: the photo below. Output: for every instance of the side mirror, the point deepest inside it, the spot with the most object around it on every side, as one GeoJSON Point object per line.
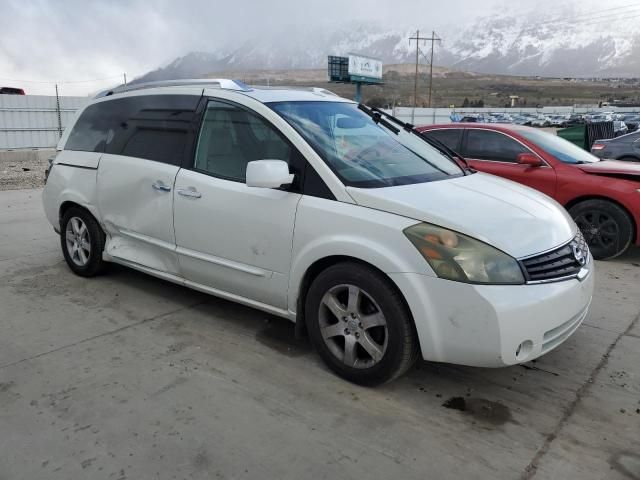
{"type": "Point", "coordinates": [268, 174]}
{"type": "Point", "coordinates": [529, 159]}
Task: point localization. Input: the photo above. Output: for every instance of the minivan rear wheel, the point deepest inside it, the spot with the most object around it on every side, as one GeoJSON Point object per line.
{"type": "Point", "coordinates": [607, 227]}
{"type": "Point", "coordinates": [360, 325]}
{"type": "Point", "coordinates": [82, 242]}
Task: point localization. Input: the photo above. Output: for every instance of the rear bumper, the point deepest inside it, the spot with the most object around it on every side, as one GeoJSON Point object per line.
{"type": "Point", "coordinates": [495, 325]}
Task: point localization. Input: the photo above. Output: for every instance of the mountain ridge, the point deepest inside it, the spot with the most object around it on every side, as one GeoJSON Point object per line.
{"type": "Point", "coordinates": [502, 45]}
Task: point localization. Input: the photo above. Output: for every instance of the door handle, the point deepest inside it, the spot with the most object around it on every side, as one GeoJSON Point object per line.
{"type": "Point", "coordinates": [189, 192]}
{"type": "Point", "coordinates": [160, 186]}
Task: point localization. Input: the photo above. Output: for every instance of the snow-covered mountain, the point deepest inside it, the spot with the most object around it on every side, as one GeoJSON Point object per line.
{"type": "Point", "coordinates": [506, 44]}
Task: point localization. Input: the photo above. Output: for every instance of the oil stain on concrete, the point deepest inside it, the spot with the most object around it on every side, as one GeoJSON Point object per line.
{"type": "Point", "coordinates": [486, 411]}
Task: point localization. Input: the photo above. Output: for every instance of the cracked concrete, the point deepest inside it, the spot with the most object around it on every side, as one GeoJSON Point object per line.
{"type": "Point", "coordinates": [531, 469]}
{"type": "Point", "coordinates": [127, 376]}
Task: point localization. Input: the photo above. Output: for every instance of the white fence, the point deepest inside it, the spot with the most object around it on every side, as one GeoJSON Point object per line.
{"type": "Point", "coordinates": [35, 121]}
{"type": "Point", "coordinates": [430, 116]}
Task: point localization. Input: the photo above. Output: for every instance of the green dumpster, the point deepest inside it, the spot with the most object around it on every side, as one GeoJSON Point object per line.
{"type": "Point", "coordinates": [577, 135]}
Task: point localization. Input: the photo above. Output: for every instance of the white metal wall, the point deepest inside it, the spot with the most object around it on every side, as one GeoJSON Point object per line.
{"type": "Point", "coordinates": [31, 121]}
{"type": "Point", "coordinates": [430, 116]}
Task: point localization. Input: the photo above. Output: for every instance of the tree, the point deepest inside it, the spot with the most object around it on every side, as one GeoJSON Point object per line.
{"type": "Point", "coordinates": [465, 103]}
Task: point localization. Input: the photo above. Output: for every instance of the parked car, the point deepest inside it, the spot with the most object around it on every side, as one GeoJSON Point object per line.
{"type": "Point", "coordinates": [500, 118]}
{"type": "Point", "coordinates": [573, 121]}
{"type": "Point", "coordinates": [601, 196]}
{"type": "Point", "coordinates": [632, 122]}
{"type": "Point", "coordinates": [557, 120]}
{"type": "Point", "coordinates": [600, 117]}
{"type": "Point", "coordinates": [11, 91]}
{"type": "Point", "coordinates": [620, 128]}
{"type": "Point", "coordinates": [625, 148]}
{"type": "Point", "coordinates": [335, 216]}
{"type": "Point", "coordinates": [541, 121]}
{"type": "Point", "coordinates": [523, 119]}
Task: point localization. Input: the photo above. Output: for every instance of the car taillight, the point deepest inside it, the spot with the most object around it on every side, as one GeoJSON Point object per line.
{"type": "Point", "coordinates": [598, 146]}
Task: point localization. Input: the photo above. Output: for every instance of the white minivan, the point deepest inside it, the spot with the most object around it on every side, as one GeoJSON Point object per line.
{"type": "Point", "coordinates": [339, 217]}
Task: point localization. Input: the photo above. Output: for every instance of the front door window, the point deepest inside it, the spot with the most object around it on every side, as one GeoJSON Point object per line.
{"type": "Point", "coordinates": [231, 137]}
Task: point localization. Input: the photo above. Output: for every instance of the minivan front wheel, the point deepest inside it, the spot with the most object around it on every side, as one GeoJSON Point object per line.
{"type": "Point", "coordinates": [607, 227]}
{"type": "Point", "coordinates": [82, 242]}
{"type": "Point", "coordinates": [360, 325]}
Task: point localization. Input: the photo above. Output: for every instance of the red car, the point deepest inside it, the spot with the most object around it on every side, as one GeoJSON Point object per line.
{"type": "Point", "coordinates": [602, 196]}
{"type": "Point", "coordinates": [11, 91]}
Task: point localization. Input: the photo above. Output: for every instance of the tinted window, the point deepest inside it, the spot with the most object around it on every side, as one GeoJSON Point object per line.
{"type": "Point", "coordinates": [231, 137]}
{"type": "Point", "coordinates": [488, 145]}
{"type": "Point", "coordinates": [89, 134]}
{"type": "Point", "coordinates": [448, 136]}
{"type": "Point", "coordinates": [315, 186]}
{"type": "Point", "coordinates": [153, 127]}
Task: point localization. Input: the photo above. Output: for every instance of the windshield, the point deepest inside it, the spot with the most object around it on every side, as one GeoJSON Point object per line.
{"type": "Point", "coordinates": [560, 148]}
{"type": "Point", "coordinates": [362, 153]}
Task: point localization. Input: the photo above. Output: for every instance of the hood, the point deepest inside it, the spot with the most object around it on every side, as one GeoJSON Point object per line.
{"type": "Point", "coordinates": [612, 167]}
{"type": "Point", "coordinates": [516, 219]}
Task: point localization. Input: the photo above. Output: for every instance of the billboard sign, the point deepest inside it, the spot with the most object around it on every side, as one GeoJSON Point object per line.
{"type": "Point", "coordinates": [365, 67]}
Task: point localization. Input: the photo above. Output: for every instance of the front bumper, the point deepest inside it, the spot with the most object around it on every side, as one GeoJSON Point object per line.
{"type": "Point", "coordinates": [493, 325]}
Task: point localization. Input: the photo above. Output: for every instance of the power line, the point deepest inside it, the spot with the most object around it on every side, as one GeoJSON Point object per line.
{"type": "Point", "coordinates": [433, 39]}
{"type": "Point", "coordinates": [61, 82]}
{"type": "Point", "coordinates": [602, 18]}
{"type": "Point", "coordinates": [593, 15]}
{"type": "Point", "coordinates": [418, 39]}
{"type": "Point", "coordinates": [613, 19]}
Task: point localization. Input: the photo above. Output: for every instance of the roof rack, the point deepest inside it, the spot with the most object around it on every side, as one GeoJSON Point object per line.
{"type": "Point", "coordinates": [322, 91]}
{"type": "Point", "coordinates": [222, 83]}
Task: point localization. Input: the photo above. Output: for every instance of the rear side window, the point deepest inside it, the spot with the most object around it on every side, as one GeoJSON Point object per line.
{"type": "Point", "coordinates": [152, 127]}
{"type": "Point", "coordinates": [450, 137]}
{"type": "Point", "coordinates": [489, 145]}
{"type": "Point", "coordinates": [89, 133]}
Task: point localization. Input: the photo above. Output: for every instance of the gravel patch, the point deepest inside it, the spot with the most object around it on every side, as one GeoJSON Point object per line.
{"type": "Point", "coordinates": [23, 168]}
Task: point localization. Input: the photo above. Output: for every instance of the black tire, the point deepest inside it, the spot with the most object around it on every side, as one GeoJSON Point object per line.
{"type": "Point", "coordinates": [377, 293]}
{"type": "Point", "coordinates": [95, 238]}
{"type": "Point", "coordinates": [629, 159]}
{"type": "Point", "coordinates": [607, 227]}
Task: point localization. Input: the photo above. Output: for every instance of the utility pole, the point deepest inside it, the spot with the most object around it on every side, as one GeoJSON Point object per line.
{"type": "Point", "coordinates": [433, 40]}
{"type": "Point", "coordinates": [417, 38]}
{"type": "Point", "coordinates": [58, 112]}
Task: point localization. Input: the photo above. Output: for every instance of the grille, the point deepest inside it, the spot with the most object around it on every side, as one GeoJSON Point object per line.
{"type": "Point", "coordinates": [559, 263]}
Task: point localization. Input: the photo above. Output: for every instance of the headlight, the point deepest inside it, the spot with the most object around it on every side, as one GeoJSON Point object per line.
{"type": "Point", "coordinates": [456, 257]}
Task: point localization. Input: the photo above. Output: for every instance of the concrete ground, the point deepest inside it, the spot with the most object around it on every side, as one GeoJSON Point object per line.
{"type": "Point", "coordinates": [128, 377]}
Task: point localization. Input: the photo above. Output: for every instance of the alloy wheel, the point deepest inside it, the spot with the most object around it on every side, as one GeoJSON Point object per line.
{"type": "Point", "coordinates": [78, 241]}
{"type": "Point", "coordinates": [353, 326]}
{"type": "Point", "coordinates": [598, 228]}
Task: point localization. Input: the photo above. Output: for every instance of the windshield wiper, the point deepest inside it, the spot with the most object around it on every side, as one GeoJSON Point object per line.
{"type": "Point", "coordinates": [377, 118]}
{"type": "Point", "coordinates": [412, 129]}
